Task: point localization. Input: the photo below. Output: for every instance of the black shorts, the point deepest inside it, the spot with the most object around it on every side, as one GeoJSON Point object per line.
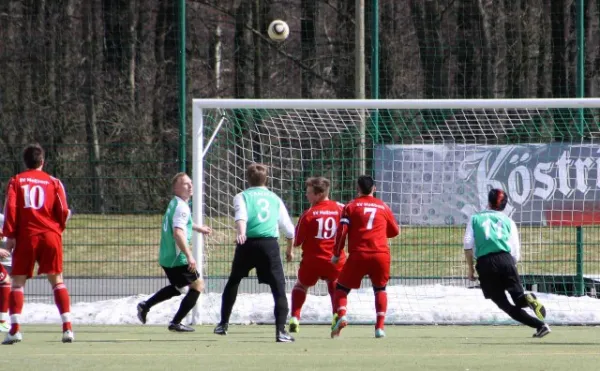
{"type": "Point", "coordinates": [262, 254]}
{"type": "Point", "coordinates": [498, 273]}
{"type": "Point", "coordinates": [180, 276]}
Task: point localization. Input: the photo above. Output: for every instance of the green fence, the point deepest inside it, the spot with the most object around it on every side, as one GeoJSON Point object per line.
{"type": "Point", "coordinates": [105, 86]}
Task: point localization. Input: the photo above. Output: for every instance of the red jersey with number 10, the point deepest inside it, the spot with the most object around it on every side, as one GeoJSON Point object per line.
{"type": "Point", "coordinates": [370, 223]}
{"type": "Point", "coordinates": [316, 228]}
{"type": "Point", "coordinates": [35, 203]}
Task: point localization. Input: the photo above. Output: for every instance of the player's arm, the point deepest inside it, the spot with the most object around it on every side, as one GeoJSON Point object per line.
{"type": "Point", "coordinates": [241, 217]}
{"type": "Point", "coordinates": [181, 217]}
{"type": "Point", "coordinates": [392, 229]}
{"type": "Point", "coordinates": [514, 242]}
{"type": "Point", "coordinates": [469, 245]}
{"type": "Point", "coordinates": [10, 213]}
{"type": "Point", "coordinates": [181, 240]}
{"type": "Point", "coordinates": [204, 229]}
{"type": "Point", "coordinates": [286, 225]}
{"type": "Point", "coordinates": [61, 207]}
{"type": "Point", "coordinates": [300, 234]}
{"type": "Point", "coordinates": [340, 235]}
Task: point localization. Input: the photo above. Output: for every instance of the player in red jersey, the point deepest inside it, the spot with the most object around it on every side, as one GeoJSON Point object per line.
{"type": "Point", "coordinates": [315, 232]}
{"type": "Point", "coordinates": [36, 213]}
{"type": "Point", "coordinates": [4, 280]}
{"type": "Point", "coordinates": [368, 223]}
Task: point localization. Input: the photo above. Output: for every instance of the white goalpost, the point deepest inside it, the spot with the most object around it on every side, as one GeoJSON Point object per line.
{"type": "Point", "coordinates": [434, 162]}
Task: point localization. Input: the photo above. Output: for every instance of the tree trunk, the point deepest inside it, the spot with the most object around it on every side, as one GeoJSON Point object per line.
{"type": "Point", "coordinates": [91, 124]}
{"type": "Point", "coordinates": [426, 20]}
{"type": "Point", "coordinates": [466, 69]}
{"type": "Point", "coordinates": [132, 49]}
{"type": "Point", "coordinates": [242, 47]}
{"type": "Point", "coordinates": [308, 44]}
{"type": "Point", "coordinates": [257, 17]}
{"type": "Point", "coordinates": [215, 56]}
{"type": "Point", "coordinates": [559, 52]}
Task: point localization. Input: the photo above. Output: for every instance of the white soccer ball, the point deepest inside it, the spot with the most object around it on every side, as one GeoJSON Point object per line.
{"type": "Point", "coordinates": [278, 30]}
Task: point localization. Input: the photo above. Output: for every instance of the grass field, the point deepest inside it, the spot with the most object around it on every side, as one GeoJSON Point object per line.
{"type": "Point", "coordinates": [253, 348]}
{"type": "Point", "coordinates": [126, 245]}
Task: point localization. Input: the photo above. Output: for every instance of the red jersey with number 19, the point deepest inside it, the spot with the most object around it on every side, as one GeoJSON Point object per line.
{"type": "Point", "coordinates": [370, 223]}
{"type": "Point", "coordinates": [35, 203]}
{"type": "Point", "coordinates": [316, 229]}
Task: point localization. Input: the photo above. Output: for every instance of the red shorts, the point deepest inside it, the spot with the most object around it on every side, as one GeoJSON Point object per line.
{"type": "Point", "coordinates": [45, 249]}
{"type": "Point", "coordinates": [311, 270]}
{"type": "Point", "coordinates": [375, 265]}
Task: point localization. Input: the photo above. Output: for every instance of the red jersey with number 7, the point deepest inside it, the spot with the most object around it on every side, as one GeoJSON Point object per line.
{"type": "Point", "coordinates": [370, 223]}
{"type": "Point", "coordinates": [316, 228]}
{"type": "Point", "coordinates": [35, 203]}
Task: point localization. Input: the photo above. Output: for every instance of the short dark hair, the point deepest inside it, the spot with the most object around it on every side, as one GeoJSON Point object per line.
{"type": "Point", "coordinates": [33, 156]}
{"type": "Point", "coordinates": [319, 184]}
{"type": "Point", "coordinates": [497, 199]}
{"type": "Point", "coordinates": [257, 175]}
{"type": "Point", "coordinates": [365, 184]}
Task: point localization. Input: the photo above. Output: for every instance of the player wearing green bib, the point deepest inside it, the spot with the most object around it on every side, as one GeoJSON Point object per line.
{"type": "Point", "coordinates": [175, 256]}
{"type": "Point", "coordinates": [259, 214]}
{"type": "Point", "coordinates": [492, 239]}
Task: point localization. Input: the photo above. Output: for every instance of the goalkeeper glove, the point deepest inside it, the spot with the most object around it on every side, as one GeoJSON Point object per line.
{"type": "Point", "coordinates": [335, 259]}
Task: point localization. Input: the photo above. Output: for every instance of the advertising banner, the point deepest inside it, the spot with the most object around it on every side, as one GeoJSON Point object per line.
{"type": "Point", "coordinates": [444, 184]}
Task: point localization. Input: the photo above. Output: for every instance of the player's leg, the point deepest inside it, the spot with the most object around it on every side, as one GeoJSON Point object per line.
{"type": "Point", "coordinates": [350, 278]}
{"type": "Point", "coordinates": [161, 295]}
{"type": "Point", "coordinates": [4, 298]}
{"type": "Point", "coordinates": [520, 315]}
{"type": "Point", "coordinates": [16, 301]}
{"type": "Point", "coordinates": [306, 279]}
{"type": "Point", "coordinates": [379, 272]}
{"type": "Point", "coordinates": [195, 286]}
{"type": "Point", "coordinates": [512, 284]}
{"type": "Point", "coordinates": [49, 255]}
{"type": "Point", "coordinates": [515, 289]}
{"type": "Point", "coordinates": [332, 273]}
{"type": "Point", "coordinates": [23, 262]}
{"type": "Point", "coordinates": [269, 270]}
{"type": "Point", "coordinates": [243, 262]}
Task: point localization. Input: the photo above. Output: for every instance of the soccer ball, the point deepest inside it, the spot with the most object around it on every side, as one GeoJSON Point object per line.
{"type": "Point", "coordinates": [278, 30]}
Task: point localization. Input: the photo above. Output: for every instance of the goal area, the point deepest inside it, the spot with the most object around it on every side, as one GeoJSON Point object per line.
{"type": "Point", "coordinates": [434, 162]}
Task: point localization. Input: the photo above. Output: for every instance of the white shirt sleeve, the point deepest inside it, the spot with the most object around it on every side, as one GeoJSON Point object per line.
{"type": "Point", "coordinates": [239, 205]}
{"type": "Point", "coordinates": [514, 242]}
{"type": "Point", "coordinates": [469, 240]}
{"type": "Point", "coordinates": [285, 222]}
{"type": "Point", "coordinates": [181, 215]}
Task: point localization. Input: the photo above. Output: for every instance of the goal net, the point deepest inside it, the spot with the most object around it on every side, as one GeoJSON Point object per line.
{"type": "Point", "coordinates": [434, 162]}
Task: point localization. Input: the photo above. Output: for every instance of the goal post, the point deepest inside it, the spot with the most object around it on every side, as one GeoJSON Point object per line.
{"type": "Point", "coordinates": [433, 162]}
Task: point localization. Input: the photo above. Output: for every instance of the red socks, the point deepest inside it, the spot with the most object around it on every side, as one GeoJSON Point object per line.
{"type": "Point", "coordinates": [331, 290]}
{"type": "Point", "coordinates": [63, 303]}
{"type": "Point", "coordinates": [16, 300]}
{"type": "Point", "coordinates": [341, 300]}
{"type": "Point", "coordinates": [380, 307]}
{"type": "Point", "coordinates": [4, 300]}
{"type": "Point", "coordinates": [298, 299]}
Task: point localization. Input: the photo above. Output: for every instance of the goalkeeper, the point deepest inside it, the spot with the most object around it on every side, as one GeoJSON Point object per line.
{"type": "Point", "coordinates": [492, 239]}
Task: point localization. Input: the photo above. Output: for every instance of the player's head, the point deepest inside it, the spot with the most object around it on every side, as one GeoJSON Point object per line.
{"type": "Point", "coordinates": [182, 186]}
{"type": "Point", "coordinates": [33, 156]}
{"type": "Point", "coordinates": [497, 199]}
{"type": "Point", "coordinates": [317, 189]}
{"type": "Point", "coordinates": [257, 174]}
{"type": "Point", "coordinates": [366, 185]}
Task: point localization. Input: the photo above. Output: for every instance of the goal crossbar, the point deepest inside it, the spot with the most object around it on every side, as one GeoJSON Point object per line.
{"type": "Point", "coordinates": [396, 103]}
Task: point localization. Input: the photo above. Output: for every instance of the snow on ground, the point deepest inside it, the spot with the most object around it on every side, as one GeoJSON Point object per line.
{"type": "Point", "coordinates": [432, 304]}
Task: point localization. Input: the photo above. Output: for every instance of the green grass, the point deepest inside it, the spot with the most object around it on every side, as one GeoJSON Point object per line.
{"type": "Point", "coordinates": [127, 245]}
{"type": "Point", "coordinates": [253, 348]}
